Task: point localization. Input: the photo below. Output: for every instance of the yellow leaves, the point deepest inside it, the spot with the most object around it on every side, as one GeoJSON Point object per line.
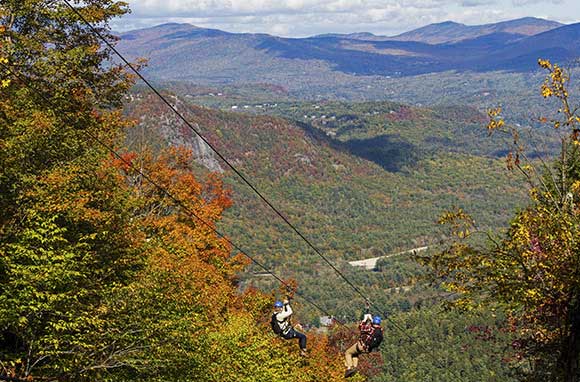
{"type": "Point", "coordinates": [558, 75]}
{"type": "Point", "coordinates": [544, 63]}
{"type": "Point", "coordinates": [547, 91]}
{"type": "Point", "coordinates": [495, 119]}
{"type": "Point", "coordinates": [555, 86]}
{"type": "Point", "coordinates": [533, 294]}
{"type": "Point", "coordinates": [576, 187]}
{"type": "Point", "coordinates": [465, 304]}
{"type": "Point", "coordinates": [527, 269]}
{"type": "Point", "coordinates": [527, 168]}
{"type": "Point", "coordinates": [494, 112]}
{"type": "Point", "coordinates": [5, 82]}
{"type": "Point", "coordinates": [453, 216]}
{"type": "Point", "coordinates": [534, 194]}
{"type": "Point", "coordinates": [461, 223]}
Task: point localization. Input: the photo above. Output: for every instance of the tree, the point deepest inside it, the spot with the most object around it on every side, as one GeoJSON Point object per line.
{"type": "Point", "coordinates": [66, 238]}
{"type": "Point", "coordinates": [533, 272]}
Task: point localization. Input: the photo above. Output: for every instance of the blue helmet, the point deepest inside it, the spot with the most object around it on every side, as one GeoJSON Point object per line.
{"type": "Point", "coordinates": [376, 320]}
{"type": "Point", "coordinates": [278, 304]}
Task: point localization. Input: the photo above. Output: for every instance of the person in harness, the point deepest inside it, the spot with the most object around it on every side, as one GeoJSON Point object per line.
{"type": "Point", "coordinates": [371, 335]}
{"type": "Point", "coordinates": [282, 326]}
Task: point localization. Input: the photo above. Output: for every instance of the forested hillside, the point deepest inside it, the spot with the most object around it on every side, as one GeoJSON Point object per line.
{"type": "Point", "coordinates": [376, 172]}
{"type": "Point", "coordinates": [354, 198]}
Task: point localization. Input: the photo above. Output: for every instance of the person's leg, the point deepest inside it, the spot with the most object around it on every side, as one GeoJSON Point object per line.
{"type": "Point", "coordinates": [350, 357]}
{"type": "Point", "coordinates": [289, 335]}
{"type": "Point", "coordinates": [301, 338]}
{"type": "Point", "coordinates": [355, 355]}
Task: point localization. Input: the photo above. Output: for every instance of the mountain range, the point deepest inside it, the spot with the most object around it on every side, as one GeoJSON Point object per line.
{"type": "Point", "coordinates": [210, 56]}
{"type": "Point", "coordinates": [449, 31]}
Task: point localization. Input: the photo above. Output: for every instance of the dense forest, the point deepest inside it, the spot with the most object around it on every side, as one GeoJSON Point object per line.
{"type": "Point", "coordinates": [121, 235]}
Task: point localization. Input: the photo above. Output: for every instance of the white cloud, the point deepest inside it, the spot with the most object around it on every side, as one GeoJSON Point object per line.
{"type": "Point", "coordinates": [308, 17]}
{"type": "Point", "coordinates": [222, 8]}
{"type": "Point", "coordinates": [521, 3]}
{"type": "Point", "coordinates": [477, 3]}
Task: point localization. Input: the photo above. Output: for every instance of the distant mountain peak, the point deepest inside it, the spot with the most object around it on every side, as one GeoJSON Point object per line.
{"type": "Point", "coordinates": [451, 31]}
{"type": "Point", "coordinates": [446, 23]}
{"type": "Point", "coordinates": [354, 35]}
{"type": "Point", "coordinates": [530, 19]}
{"type": "Point", "coordinates": [175, 26]}
{"type": "Point", "coordinates": [171, 31]}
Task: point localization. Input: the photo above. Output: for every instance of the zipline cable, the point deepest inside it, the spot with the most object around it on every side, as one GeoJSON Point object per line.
{"type": "Point", "coordinates": [230, 165]}
{"type": "Point", "coordinates": [185, 208]}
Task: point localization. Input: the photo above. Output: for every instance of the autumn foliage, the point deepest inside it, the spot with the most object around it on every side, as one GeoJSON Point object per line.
{"type": "Point", "coordinates": [111, 268]}
{"type": "Point", "coordinates": [533, 271]}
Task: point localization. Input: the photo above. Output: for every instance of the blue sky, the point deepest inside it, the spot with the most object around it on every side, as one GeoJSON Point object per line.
{"type": "Point", "coordinates": [299, 18]}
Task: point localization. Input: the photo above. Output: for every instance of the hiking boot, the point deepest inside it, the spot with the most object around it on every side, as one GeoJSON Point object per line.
{"type": "Point", "coordinates": [350, 372]}
{"type": "Point", "coordinates": [303, 353]}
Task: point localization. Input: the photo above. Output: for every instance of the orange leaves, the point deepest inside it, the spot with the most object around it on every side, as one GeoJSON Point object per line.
{"type": "Point", "coordinates": [125, 162]}
{"type": "Point", "coordinates": [325, 362]}
{"type": "Point", "coordinates": [194, 262]}
{"type": "Point", "coordinates": [192, 276]}
{"type": "Point", "coordinates": [184, 278]}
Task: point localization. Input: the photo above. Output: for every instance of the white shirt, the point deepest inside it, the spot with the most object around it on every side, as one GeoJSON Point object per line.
{"type": "Point", "coordinates": [283, 318]}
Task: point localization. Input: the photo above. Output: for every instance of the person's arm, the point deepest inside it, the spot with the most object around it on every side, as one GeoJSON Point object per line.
{"type": "Point", "coordinates": [285, 313]}
{"type": "Point", "coordinates": [368, 316]}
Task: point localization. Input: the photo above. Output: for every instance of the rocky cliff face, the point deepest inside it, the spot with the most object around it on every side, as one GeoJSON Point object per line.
{"type": "Point", "coordinates": [165, 127]}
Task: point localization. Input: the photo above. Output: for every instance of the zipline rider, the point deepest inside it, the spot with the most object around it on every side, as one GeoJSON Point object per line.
{"type": "Point", "coordinates": [282, 326]}
{"type": "Point", "coordinates": [371, 336]}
